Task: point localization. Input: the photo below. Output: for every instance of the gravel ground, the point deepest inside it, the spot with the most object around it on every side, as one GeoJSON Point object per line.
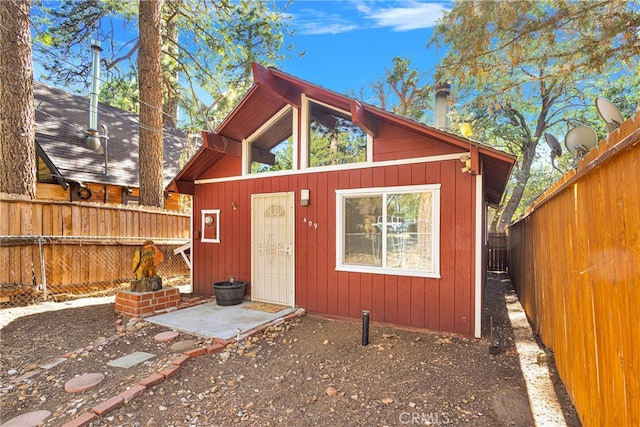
{"type": "Point", "coordinates": [310, 371]}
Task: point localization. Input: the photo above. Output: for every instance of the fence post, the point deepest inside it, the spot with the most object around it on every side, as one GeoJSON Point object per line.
{"type": "Point", "coordinates": [43, 271]}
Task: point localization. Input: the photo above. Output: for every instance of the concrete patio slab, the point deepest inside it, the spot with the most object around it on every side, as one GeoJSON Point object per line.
{"type": "Point", "coordinates": [211, 320]}
{"type": "Point", "coordinates": [131, 359]}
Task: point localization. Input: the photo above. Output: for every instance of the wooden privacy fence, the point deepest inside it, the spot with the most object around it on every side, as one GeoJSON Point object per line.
{"type": "Point", "coordinates": [497, 252]}
{"type": "Point", "coordinates": [575, 262]}
{"type": "Point", "coordinates": [51, 248]}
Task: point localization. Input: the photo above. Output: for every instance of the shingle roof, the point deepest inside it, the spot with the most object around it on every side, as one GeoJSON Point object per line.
{"type": "Point", "coordinates": [62, 120]}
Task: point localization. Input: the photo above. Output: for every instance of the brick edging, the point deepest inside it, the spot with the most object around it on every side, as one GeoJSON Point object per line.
{"type": "Point", "coordinates": [140, 388]}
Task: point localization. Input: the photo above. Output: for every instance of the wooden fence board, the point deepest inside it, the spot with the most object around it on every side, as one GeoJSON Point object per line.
{"type": "Point", "coordinates": [575, 263]}
{"type": "Point", "coordinates": [83, 243]}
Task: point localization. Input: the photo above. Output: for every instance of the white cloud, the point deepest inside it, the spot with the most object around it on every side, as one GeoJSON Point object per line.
{"type": "Point", "coordinates": [335, 17]}
{"type": "Point", "coordinates": [315, 21]}
{"type": "Point", "coordinates": [405, 16]}
{"type": "Point", "coordinates": [311, 28]}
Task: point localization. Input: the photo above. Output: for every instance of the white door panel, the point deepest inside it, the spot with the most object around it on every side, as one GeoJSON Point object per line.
{"type": "Point", "coordinates": [272, 248]}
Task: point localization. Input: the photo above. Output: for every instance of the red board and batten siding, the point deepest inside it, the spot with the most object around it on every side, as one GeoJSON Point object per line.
{"type": "Point", "coordinates": [445, 304]}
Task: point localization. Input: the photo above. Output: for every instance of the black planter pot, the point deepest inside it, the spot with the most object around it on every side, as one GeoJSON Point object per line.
{"type": "Point", "coordinates": [228, 293]}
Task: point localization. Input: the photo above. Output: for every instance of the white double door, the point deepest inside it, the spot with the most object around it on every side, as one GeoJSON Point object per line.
{"type": "Point", "coordinates": [272, 245]}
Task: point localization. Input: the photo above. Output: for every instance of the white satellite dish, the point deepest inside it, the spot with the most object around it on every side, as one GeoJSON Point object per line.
{"type": "Point", "coordinates": [609, 114]}
{"type": "Point", "coordinates": [580, 140]}
{"type": "Point", "coordinates": [556, 149]}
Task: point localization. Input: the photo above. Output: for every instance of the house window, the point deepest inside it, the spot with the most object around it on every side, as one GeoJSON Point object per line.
{"type": "Point", "coordinates": [333, 139]}
{"type": "Point", "coordinates": [271, 147]}
{"type": "Point", "coordinates": [391, 230]}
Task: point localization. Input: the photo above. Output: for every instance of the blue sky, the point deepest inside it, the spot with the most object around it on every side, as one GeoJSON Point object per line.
{"type": "Point", "coordinates": [349, 44]}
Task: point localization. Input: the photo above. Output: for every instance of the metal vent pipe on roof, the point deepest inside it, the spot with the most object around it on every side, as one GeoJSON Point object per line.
{"type": "Point", "coordinates": [441, 111]}
{"type": "Point", "coordinates": [95, 87]}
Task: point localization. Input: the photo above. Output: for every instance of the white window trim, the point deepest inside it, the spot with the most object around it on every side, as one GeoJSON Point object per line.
{"type": "Point", "coordinates": [214, 213]}
{"type": "Point", "coordinates": [296, 126]}
{"type": "Point", "coordinates": [349, 166]}
{"type": "Point", "coordinates": [377, 191]}
{"type": "Point", "coordinates": [304, 133]}
{"type": "Point", "coordinates": [246, 143]}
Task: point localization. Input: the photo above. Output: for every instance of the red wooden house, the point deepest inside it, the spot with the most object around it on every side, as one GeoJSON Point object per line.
{"type": "Point", "coordinates": [322, 202]}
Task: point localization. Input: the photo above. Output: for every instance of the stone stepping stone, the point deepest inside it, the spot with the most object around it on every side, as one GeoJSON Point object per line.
{"type": "Point", "coordinates": [183, 345]}
{"type": "Point", "coordinates": [166, 336]}
{"type": "Point", "coordinates": [30, 419]}
{"type": "Point", "coordinates": [131, 359]}
{"type": "Point", "coordinates": [83, 382]}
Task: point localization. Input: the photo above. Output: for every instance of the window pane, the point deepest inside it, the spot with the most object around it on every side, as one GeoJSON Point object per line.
{"type": "Point", "coordinates": [362, 233]}
{"type": "Point", "coordinates": [279, 158]}
{"type": "Point", "coordinates": [272, 150]}
{"type": "Point", "coordinates": [333, 138]}
{"type": "Point", "coordinates": [409, 231]}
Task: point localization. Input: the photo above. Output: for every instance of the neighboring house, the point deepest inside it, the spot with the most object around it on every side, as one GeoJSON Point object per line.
{"type": "Point", "coordinates": [366, 210]}
{"type": "Point", "coordinates": [69, 170]}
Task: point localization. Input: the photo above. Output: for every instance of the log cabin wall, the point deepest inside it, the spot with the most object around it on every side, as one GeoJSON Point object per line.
{"type": "Point", "coordinates": [445, 304]}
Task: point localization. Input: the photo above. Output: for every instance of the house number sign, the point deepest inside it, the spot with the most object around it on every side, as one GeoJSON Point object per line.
{"type": "Point", "coordinates": [310, 223]}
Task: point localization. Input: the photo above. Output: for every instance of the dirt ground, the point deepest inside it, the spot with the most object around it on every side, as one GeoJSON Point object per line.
{"type": "Point", "coordinates": [308, 372]}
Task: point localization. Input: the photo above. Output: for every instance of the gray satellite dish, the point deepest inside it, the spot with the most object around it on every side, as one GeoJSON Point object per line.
{"type": "Point", "coordinates": [556, 149]}
{"type": "Point", "coordinates": [580, 140]}
{"type": "Point", "coordinates": [609, 114]}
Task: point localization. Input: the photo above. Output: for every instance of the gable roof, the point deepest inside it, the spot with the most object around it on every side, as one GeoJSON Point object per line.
{"type": "Point", "coordinates": [274, 89]}
{"type": "Point", "coordinates": [62, 120]}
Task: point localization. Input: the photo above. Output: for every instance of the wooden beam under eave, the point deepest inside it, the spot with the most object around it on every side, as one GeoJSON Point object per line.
{"type": "Point", "coordinates": [222, 144]}
{"type": "Point", "coordinates": [262, 156]}
{"type": "Point", "coordinates": [263, 77]}
{"type": "Point", "coordinates": [365, 120]}
{"type": "Point", "coordinates": [475, 160]}
{"type": "Point", "coordinates": [325, 119]}
{"type": "Point", "coordinates": [185, 187]}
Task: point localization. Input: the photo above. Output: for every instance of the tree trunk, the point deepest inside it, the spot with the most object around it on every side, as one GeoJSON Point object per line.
{"type": "Point", "coordinates": [150, 83]}
{"type": "Point", "coordinates": [17, 114]}
{"type": "Point", "coordinates": [170, 73]}
{"type": "Point", "coordinates": [522, 177]}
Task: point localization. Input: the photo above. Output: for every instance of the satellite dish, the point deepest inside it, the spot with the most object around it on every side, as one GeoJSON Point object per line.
{"type": "Point", "coordinates": [580, 140]}
{"type": "Point", "coordinates": [556, 149]}
{"type": "Point", "coordinates": [609, 114]}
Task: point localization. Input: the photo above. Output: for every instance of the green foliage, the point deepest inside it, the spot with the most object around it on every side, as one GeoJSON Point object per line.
{"type": "Point", "coordinates": [529, 67]}
{"type": "Point", "coordinates": [490, 39]}
{"type": "Point", "coordinates": [208, 48]}
{"type": "Point", "coordinates": [402, 90]}
{"type": "Point", "coordinates": [345, 144]}
{"type": "Point", "coordinates": [111, 93]}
